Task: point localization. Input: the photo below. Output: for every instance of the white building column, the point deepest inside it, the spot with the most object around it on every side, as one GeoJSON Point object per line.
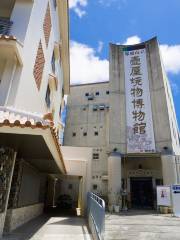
{"type": "Point", "coordinates": [169, 169]}
{"type": "Point", "coordinates": [114, 177]}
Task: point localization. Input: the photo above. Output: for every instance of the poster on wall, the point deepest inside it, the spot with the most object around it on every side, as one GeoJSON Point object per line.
{"type": "Point", "coordinates": [176, 200]}
{"type": "Point", "coordinates": [140, 133]}
{"type": "Point", "coordinates": [164, 196]}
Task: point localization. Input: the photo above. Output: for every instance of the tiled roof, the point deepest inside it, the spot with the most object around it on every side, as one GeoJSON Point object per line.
{"type": "Point", "coordinates": [8, 38]}
{"type": "Point", "coordinates": [12, 117]}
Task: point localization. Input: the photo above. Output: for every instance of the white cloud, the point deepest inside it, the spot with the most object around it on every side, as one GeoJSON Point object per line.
{"type": "Point", "coordinates": [108, 3]}
{"type": "Point", "coordinates": [171, 58]}
{"type": "Point", "coordinates": [132, 40]}
{"type": "Point", "coordinates": [78, 6]}
{"type": "Point", "coordinates": [100, 46]}
{"type": "Point", "coordinates": [86, 66]}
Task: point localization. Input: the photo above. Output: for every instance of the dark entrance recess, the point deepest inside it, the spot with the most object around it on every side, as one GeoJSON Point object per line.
{"type": "Point", "coordinates": [141, 193]}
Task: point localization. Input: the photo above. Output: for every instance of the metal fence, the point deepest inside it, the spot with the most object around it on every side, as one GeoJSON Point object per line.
{"type": "Point", "coordinates": [96, 215]}
{"type": "Point", "coordinates": [5, 26]}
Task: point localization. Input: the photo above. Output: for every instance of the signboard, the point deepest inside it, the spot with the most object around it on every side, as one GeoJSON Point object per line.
{"type": "Point", "coordinates": [164, 196]}
{"type": "Point", "coordinates": [140, 134]}
{"type": "Point", "coordinates": [176, 199]}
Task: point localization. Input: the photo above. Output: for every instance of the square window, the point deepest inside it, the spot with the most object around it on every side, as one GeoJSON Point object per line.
{"type": "Point", "coordinates": [96, 133]}
{"type": "Point", "coordinates": [95, 108]}
{"type": "Point", "coordinates": [95, 156]}
{"type": "Point", "coordinates": [84, 134]}
{"type": "Point", "coordinates": [73, 134]}
{"type": "Point", "coordinates": [101, 107]}
{"type": "Point", "coordinates": [97, 93]}
{"type": "Point", "coordinates": [94, 186]}
{"type": "Point", "coordinates": [107, 92]}
{"type": "Point", "coordinates": [86, 94]}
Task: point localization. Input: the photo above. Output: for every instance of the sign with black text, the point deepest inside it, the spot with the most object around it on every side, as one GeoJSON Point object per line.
{"type": "Point", "coordinates": [140, 133]}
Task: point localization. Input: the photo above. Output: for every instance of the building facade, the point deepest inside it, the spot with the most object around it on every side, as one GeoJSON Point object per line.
{"type": "Point", "coordinates": [140, 136]}
{"type": "Point", "coordinates": [87, 125]}
{"type": "Point", "coordinates": [34, 76]}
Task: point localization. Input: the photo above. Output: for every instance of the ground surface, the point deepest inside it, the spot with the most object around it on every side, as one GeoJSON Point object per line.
{"type": "Point", "coordinates": [52, 228]}
{"type": "Point", "coordinates": [144, 225]}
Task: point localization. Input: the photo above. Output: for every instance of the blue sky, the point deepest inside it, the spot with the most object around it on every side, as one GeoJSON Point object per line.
{"type": "Point", "coordinates": [95, 23]}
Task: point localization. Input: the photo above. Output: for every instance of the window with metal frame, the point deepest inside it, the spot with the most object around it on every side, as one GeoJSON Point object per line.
{"type": "Point", "coordinates": [48, 97]}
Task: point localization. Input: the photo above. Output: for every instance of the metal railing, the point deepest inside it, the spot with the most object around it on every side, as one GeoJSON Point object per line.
{"type": "Point", "coordinates": [5, 26]}
{"type": "Point", "coordinates": [96, 215]}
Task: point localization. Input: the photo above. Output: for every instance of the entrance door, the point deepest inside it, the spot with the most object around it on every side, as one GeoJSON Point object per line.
{"type": "Point", "coordinates": [142, 193]}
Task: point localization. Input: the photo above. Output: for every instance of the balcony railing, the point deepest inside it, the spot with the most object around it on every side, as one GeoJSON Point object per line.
{"type": "Point", "coordinates": [5, 26]}
{"type": "Point", "coordinates": [96, 215]}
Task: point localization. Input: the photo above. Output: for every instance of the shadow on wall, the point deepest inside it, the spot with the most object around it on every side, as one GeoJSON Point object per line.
{"type": "Point", "coordinates": [28, 230]}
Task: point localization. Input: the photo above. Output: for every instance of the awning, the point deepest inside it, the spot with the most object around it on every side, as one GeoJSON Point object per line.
{"type": "Point", "coordinates": [34, 138]}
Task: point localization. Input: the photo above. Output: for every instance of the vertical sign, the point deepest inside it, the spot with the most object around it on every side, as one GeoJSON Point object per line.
{"type": "Point", "coordinates": [164, 196]}
{"type": "Point", "coordinates": [140, 134]}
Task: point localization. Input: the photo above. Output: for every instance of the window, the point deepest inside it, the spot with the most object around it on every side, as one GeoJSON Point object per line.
{"type": "Point", "coordinates": [48, 99]}
{"type": "Point", "coordinates": [95, 156]}
{"type": "Point", "coordinates": [74, 134]}
{"type": "Point", "coordinates": [97, 93]}
{"type": "Point", "coordinates": [55, 3]}
{"type": "Point", "coordinates": [60, 111]}
{"type": "Point", "coordinates": [94, 186]}
{"type": "Point", "coordinates": [96, 133]}
{"type": "Point", "coordinates": [53, 64]}
{"type": "Point", "coordinates": [84, 134]}
{"type": "Point", "coordinates": [107, 92]}
{"type": "Point", "coordinates": [86, 94]}
{"type": "Point", "coordinates": [101, 107]}
{"type": "Point", "coordinates": [84, 108]}
{"type": "Point", "coordinates": [95, 108]}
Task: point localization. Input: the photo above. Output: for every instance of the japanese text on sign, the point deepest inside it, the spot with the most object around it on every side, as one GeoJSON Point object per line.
{"type": "Point", "coordinates": [140, 135]}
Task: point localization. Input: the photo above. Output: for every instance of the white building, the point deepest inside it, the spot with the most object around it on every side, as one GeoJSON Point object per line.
{"type": "Point", "coordinates": [134, 136]}
{"type": "Point", "coordinates": [87, 125]}
{"type": "Point", "coordinates": [34, 76]}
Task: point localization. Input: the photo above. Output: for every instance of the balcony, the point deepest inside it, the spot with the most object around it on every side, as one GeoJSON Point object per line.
{"type": "Point", "coordinates": [5, 26]}
{"type": "Point", "coordinates": [9, 45]}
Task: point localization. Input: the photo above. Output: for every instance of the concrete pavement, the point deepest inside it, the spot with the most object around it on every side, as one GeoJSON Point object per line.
{"type": "Point", "coordinates": [142, 225]}
{"type": "Point", "coordinates": [52, 228]}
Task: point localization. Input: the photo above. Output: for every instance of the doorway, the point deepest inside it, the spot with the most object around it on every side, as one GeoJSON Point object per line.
{"type": "Point", "coordinates": [141, 193]}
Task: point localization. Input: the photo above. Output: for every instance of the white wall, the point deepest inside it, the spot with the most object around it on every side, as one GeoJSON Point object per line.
{"type": "Point", "coordinates": [81, 118]}
{"type": "Point", "coordinates": [7, 75]}
{"type": "Point", "coordinates": [78, 163]}
{"type": "Point", "coordinates": [28, 17]}
{"type": "Point", "coordinates": [19, 216]}
{"type": "Point", "coordinates": [20, 18]}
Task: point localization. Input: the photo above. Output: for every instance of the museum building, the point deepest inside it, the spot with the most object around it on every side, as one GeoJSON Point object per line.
{"type": "Point", "coordinates": [130, 123]}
